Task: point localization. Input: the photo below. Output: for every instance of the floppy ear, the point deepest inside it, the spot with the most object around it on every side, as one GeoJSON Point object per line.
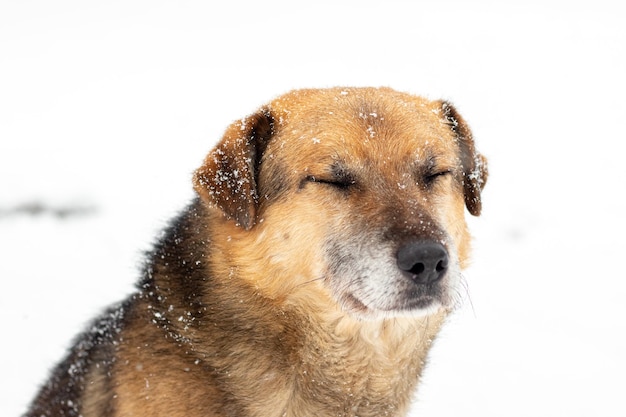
{"type": "Point", "coordinates": [474, 164]}
{"type": "Point", "coordinates": [228, 177]}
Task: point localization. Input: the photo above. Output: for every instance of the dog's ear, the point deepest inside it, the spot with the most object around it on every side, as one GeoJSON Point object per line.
{"type": "Point", "coordinates": [474, 165]}
{"type": "Point", "coordinates": [228, 177]}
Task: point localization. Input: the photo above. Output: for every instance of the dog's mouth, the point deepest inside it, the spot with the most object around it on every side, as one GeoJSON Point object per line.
{"type": "Point", "coordinates": [425, 303]}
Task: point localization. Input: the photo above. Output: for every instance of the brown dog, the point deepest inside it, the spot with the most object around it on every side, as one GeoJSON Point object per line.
{"type": "Point", "coordinates": [308, 279]}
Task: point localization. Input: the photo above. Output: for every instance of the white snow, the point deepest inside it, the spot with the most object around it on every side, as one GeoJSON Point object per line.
{"type": "Point", "coordinates": [111, 105]}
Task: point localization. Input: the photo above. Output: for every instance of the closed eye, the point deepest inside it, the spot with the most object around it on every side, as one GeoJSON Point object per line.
{"type": "Point", "coordinates": [339, 182]}
{"type": "Point", "coordinates": [337, 176]}
{"type": "Point", "coordinates": [431, 178]}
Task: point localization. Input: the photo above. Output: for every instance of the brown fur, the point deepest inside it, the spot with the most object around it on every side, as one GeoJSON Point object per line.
{"type": "Point", "coordinates": [275, 293]}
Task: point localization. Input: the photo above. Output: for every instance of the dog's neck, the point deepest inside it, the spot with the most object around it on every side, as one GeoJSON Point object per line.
{"type": "Point", "coordinates": [361, 368]}
{"type": "Point", "coordinates": [328, 362]}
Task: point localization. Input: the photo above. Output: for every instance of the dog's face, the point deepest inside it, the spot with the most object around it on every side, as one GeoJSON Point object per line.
{"type": "Point", "coordinates": [358, 194]}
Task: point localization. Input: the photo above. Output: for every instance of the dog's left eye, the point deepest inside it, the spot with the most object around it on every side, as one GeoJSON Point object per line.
{"type": "Point", "coordinates": [430, 178]}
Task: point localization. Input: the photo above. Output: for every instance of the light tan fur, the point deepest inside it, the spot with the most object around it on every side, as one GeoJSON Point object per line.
{"type": "Point", "coordinates": [248, 306]}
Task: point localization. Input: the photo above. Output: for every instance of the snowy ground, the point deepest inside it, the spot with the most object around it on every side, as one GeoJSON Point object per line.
{"type": "Point", "coordinates": [107, 107]}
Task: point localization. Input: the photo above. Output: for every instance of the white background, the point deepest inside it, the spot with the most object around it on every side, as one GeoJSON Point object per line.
{"type": "Point", "coordinates": [107, 107]}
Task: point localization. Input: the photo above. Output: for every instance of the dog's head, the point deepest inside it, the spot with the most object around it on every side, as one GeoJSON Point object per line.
{"type": "Point", "coordinates": [357, 192]}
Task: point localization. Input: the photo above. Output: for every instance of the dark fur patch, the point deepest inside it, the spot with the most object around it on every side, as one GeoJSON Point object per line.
{"type": "Point", "coordinates": [180, 258]}
{"type": "Point", "coordinates": [61, 396]}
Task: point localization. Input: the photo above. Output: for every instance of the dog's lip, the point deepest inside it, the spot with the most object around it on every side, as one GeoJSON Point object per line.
{"type": "Point", "coordinates": [413, 304]}
{"type": "Point", "coordinates": [421, 303]}
{"type": "Point", "coordinates": [355, 304]}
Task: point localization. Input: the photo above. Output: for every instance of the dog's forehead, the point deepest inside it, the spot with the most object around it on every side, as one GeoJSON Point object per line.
{"type": "Point", "coordinates": [363, 123]}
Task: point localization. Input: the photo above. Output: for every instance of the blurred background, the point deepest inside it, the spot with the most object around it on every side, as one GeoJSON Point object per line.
{"type": "Point", "coordinates": [106, 108]}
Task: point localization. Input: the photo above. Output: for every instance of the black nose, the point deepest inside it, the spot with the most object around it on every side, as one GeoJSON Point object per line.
{"type": "Point", "coordinates": [424, 262]}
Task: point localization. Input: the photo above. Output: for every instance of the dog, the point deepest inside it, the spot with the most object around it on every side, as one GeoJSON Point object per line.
{"type": "Point", "coordinates": [307, 278]}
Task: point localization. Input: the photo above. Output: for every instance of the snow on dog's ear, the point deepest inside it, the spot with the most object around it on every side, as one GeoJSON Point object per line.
{"type": "Point", "coordinates": [228, 177]}
{"type": "Point", "coordinates": [474, 164]}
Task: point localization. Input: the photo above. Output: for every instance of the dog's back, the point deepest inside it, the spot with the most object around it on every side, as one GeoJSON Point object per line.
{"type": "Point", "coordinates": [92, 353]}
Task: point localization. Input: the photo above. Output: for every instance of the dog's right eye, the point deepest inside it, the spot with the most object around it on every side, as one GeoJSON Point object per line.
{"type": "Point", "coordinates": [338, 182]}
{"type": "Point", "coordinates": [338, 176]}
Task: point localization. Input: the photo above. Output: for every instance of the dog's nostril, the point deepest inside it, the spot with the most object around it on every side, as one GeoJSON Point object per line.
{"type": "Point", "coordinates": [417, 268]}
{"type": "Point", "coordinates": [423, 261]}
{"type": "Point", "coordinates": [441, 266]}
